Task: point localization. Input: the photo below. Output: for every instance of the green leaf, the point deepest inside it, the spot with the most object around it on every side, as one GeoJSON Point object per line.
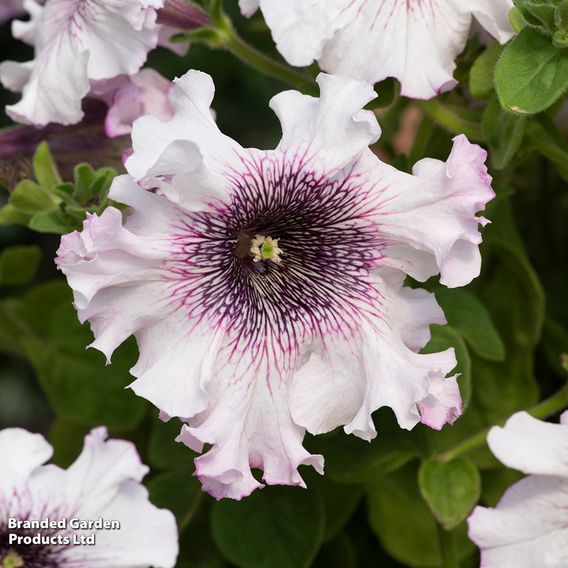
{"type": "Point", "coordinates": [278, 527]}
{"type": "Point", "coordinates": [51, 221]}
{"type": "Point", "coordinates": [351, 460]}
{"type": "Point", "coordinates": [531, 74]}
{"type": "Point", "coordinates": [102, 182]}
{"type": "Point", "coordinates": [444, 337]}
{"type": "Point", "coordinates": [179, 492]}
{"type": "Point", "coordinates": [504, 132]}
{"type": "Point", "coordinates": [538, 13]}
{"type": "Point", "coordinates": [495, 482]}
{"type": "Point", "coordinates": [29, 197]}
{"type": "Point", "coordinates": [12, 215]}
{"type": "Point", "coordinates": [18, 265]}
{"type": "Point", "coordinates": [543, 137]}
{"type": "Point", "coordinates": [471, 319]}
{"type": "Point", "coordinates": [451, 489]}
{"type": "Point", "coordinates": [67, 439]}
{"type": "Point", "coordinates": [340, 501]}
{"type": "Point", "coordinates": [455, 119]}
{"type": "Point", "coordinates": [45, 169]}
{"type": "Point", "coordinates": [78, 384]}
{"type": "Point", "coordinates": [163, 451]}
{"type": "Point", "coordinates": [482, 72]}
{"type": "Point", "coordinates": [84, 175]}
{"type": "Point", "coordinates": [404, 524]}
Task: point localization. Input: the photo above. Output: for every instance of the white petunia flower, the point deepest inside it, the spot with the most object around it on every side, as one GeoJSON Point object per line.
{"type": "Point", "coordinates": [529, 526]}
{"type": "Point", "coordinates": [318, 332]}
{"type": "Point", "coordinates": [415, 41]}
{"type": "Point", "coordinates": [77, 43]}
{"type": "Point", "coordinates": [103, 483]}
{"type": "Point", "coordinates": [10, 9]}
{"type": "Point", "coordinates": [129, 98]}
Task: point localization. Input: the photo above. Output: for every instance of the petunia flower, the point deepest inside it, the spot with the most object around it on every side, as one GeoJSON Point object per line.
{"type": "Point", "coordinates": [415, 41]}
{"type": "Point", "coordinates": [103, 483]}
{"type": "Point", "coordinates": [10, 9]}
{"type": "Point", "coordinates": [265, 288]}
{"type": "Point", "coordinates": [130, 97]}
{"type": "Point", "coordinates": [529, 526]}
{"type": "Point", "coordinates": [76, 43]}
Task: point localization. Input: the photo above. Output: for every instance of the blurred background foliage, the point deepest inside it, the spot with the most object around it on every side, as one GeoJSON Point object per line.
{"type": "Point", "coordinates": [398, 501]}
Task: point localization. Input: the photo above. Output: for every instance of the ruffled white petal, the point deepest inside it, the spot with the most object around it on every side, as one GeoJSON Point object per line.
{"type": "Point", "coordinates": [76, 43]}
{"type": "Point", "coordinates": [248, 423]}
{"type": "Point", "coordinates": [531, 445]}
{"type": "Point", "coordinates": [28, 31]}
{"type": "Point", "coordinates": [415, 42]}
{"type": "Point", "coordinates": [186, 155]}
{"type": "Point", "coordinates": [429, 219]}
{"type": "Point", "coordinates": [493, 17]}
{"type": "Point", "coordinates": [527, 528]}
{"type": "Point", "coordinates": [20, 454]}
{"type": "Point", "coordinates": [104, 482]}
{"type": "Point", "coordinates": [333, 128]}
{"type": "Point", "coordinates": [380, 367]}
{"type": "Point", "coordinates": [301, 29]}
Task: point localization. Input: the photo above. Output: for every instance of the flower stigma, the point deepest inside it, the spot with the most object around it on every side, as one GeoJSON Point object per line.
{"type": "Point", "coordinates": [12, 560]}
{"type": "Point", "coordinates": [265, 248]}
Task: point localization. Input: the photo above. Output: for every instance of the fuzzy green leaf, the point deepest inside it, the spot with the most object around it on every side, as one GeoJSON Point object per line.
{"type": "Point", "coordinates": [278, 527]}
{"type": "Point", "coordinates": [451, 489]}
{"type": "Point", "coordinates": [532, 74]}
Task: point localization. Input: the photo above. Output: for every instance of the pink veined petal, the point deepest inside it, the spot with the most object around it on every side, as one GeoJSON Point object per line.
{"type": "Point", "coordinates": [145, 93]}
{"type": "Point", "coordinates": [76, 43]}
{"type": "Point", "coordinates": [380, 368]}
{"type": "Point", "coordinates": [531, 445]}
{"type": "Point", "coordinates": [249, 424]}
{"type": "Point", "coordinates": [527, 528]}
{"type": "Point", "coordinates": [429, 219]}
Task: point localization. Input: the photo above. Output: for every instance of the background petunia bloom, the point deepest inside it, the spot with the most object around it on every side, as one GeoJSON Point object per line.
{"type": "Point", "coordinates": [529, 526]}
{"type": "Point", "coordinates": [76, 44]}
{"type": "Point", "coordinates": [103, 482]}
{"type": "Point", "coordinates": [415, 41]}
{"type": "Point", "coordinates": [265, 288]}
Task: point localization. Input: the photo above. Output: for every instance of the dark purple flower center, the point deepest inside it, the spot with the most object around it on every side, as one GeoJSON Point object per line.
{"type": "Point", "coordinates": [329, 240]}
{"type": "Point", "coordinates": [27, 554]}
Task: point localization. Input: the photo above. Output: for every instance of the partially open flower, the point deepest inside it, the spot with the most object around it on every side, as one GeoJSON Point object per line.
{"type": "Point", "coordinates": [265, 288]}
{"type": "Point", "coordinates": [104, 483]}
{"type": "Point", "coordinates": [415, 41]}
{"type": "Point", "coordinates": [76, 44]}
{"type": "Point", "coordinates": [529, 526]}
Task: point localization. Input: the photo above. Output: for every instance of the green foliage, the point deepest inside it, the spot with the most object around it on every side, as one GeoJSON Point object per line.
{"type": "Point", "coordinates": [532, 74]}
{"type": "Point", "coordinates": [278, 527]}
{"type": "Point", "coordinates": [451, 489]}
{"type": "Point", "coordinates": [18, 265]}
{"type": "Point", "coordinates": [402, 498]}
{"type": "Point", "coordinates": [48, 205]}
{"type": "Point", "coordinates": [403, 522]}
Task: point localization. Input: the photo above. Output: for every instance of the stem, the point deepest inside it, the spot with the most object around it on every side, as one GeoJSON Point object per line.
{"type": "Point", "coordinates": [544, 409]}
{"type": "Point", "coordinates": [448, 550]}
{"type": "Point", "coordinates": [248, 54]}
